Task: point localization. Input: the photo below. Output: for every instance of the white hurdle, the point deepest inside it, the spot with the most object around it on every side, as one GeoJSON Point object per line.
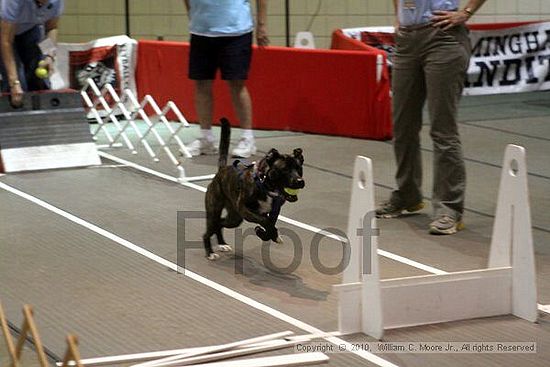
{"type": "Point", "coordinates": [508, 286]}
{"type": "Point", "coordinates": [117, 107]}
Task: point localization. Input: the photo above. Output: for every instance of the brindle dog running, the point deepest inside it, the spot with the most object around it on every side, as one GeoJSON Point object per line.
{"type": "Point", "coordinates": [254, 192]}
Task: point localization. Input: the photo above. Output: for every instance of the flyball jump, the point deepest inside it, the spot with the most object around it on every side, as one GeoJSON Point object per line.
{"type": "Point", "coordinates": [507, 286]}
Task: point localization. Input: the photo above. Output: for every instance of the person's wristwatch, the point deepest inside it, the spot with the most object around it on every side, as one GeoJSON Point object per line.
{"type": "Point", "coordinates": [15, 82]}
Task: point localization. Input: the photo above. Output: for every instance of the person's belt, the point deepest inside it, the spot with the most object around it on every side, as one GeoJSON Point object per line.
{"type": "Point", "coordinates": [414, 27]}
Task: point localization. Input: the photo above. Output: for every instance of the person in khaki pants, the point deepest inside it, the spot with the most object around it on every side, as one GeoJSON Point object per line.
{"type": "Point", "coordinates": [430, 63]}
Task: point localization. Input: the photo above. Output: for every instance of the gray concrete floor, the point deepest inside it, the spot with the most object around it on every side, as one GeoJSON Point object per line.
{"type": "Point", "coordinates": [118, 301]}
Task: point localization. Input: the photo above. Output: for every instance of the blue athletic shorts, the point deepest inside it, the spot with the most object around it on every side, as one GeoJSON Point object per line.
{"type": "Point", "coordinates": [231, 54]}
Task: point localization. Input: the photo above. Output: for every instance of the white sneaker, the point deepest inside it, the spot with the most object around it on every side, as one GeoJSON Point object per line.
{"type": "Point", "coordinates": [202, 146]}
{"type": "Point", "coordinates": [245, 148]}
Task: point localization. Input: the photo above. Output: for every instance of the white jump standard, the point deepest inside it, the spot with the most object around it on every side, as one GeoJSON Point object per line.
{"type": "Point", "coordinates": [508, 286]}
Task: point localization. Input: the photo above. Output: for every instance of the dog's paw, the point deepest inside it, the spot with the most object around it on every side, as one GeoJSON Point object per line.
{"type": "Point", "coordinates": [262, 233]}
{"type": "Point", "coordinates": [274, 235]}
{"type": "Point", "coordinates": [224, 248]}
{"type": "Point", "coordinates": [213, 257]}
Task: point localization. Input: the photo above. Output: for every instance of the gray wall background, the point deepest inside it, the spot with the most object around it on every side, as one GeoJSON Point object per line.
{"type": "Point", "coordinates": [85, 20]}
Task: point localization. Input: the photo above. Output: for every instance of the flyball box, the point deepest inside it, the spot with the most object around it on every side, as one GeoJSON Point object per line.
{"type": "Point", "coordinates": [49, 131]}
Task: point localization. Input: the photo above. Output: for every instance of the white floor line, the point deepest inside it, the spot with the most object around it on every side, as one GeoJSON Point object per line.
{"type": "Point", "coordinates": [389, 255]}
{"type": "Point", "coordinates": [106, 166]}
{"type": "Point", "coordinates": [198, 178]}
{"type": "Point", "coordinates": [205, 281]}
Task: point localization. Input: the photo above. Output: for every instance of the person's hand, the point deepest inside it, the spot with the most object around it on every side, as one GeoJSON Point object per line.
{"type": "Point", "coordinates": [449, 19]}
{"type": "Point", "coordinates": [16, 96]}
{"type": "Point", "coordinates": [261, 35]}
{"type": "Point", "coordinates": [47, 63]}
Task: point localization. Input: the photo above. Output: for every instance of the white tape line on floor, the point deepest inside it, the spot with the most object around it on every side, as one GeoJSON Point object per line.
{"type": "Point", "coordinates": [205, 281]}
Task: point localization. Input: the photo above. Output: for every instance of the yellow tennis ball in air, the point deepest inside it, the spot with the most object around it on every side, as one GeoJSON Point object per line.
{"type": "Point", "coordinates": [41, 73]}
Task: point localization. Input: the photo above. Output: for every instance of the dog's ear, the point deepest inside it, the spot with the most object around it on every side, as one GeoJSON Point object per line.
{"type": "Point", "coordinates": [272, 156]}
{"type": "Point", "coordinates": [298, 155]}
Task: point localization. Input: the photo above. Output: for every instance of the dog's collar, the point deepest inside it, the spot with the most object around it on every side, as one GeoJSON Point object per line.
{"type": "Point", "coordinates": [278, 199]}
{"type": "Point", "coordinates": [264, 187]}
{"type": "Point", "coordinates": [260, 174]}
{"type": "Point", "coordinates": [259, 178]}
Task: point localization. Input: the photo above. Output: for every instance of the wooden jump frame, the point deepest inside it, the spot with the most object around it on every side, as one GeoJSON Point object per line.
{"type": "Point", "coordinates": [15, 351]}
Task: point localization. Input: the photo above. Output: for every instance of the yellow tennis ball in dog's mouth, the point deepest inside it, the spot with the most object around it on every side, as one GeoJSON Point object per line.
{"type": "Point", "coordinates": [41, 73]}
{"type": "Point", "coordinates": [290, 191]}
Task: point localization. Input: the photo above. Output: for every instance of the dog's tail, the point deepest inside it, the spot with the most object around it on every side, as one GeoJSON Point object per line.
{"type": "Point", "coordinates": [224, 142]}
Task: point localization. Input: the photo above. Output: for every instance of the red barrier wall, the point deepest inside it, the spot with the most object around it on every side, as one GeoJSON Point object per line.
{"type": "Point", "coordinates": [316, 91]}
{"type": "Point", "coordinates": [342, 42]}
